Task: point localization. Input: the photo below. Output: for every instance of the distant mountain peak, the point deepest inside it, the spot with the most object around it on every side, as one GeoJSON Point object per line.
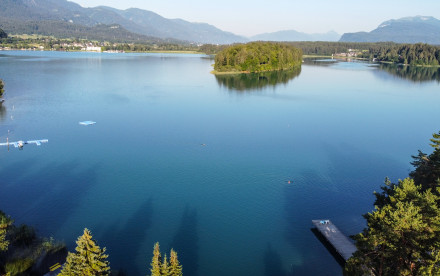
{"type": "Point", "coordinates": [411, 29]}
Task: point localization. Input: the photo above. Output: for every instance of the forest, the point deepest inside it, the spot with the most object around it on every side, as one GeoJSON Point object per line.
{"type": "Point", "coordinates": [411, 54]}
{"type": "Point", "coordinates": [257, 57]}
{"type": "Point", "coordinates": [23, 253]}
{"type": "Point", "coordinates": [315, 48]}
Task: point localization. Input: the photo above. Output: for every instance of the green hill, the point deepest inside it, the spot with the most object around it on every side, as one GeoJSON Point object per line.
{"type": "Point", "coordinates": [257, 57]}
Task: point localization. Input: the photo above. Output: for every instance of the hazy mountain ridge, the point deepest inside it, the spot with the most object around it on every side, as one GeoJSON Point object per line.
{"type": "Point", "coordinates": [292, 35]}
{"type": "Point", "coordinates": [63, 18]}
{"type": "Point", "coordinates": [425, 29]}
{"type": "Point", "coordinates": [176, 28]}
{"type": "Point", "coordinates": [140, 22]}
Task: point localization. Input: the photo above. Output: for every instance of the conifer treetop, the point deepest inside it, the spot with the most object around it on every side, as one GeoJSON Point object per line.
{"type": "Point", "coordinates": [88, 258]}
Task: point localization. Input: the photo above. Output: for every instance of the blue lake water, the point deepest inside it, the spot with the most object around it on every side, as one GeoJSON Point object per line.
{"type": "Point", "coordinates": [201, 163]}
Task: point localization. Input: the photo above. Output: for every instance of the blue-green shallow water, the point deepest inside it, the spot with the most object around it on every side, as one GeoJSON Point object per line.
{"type": "Point", "coordinates": [142, 173]}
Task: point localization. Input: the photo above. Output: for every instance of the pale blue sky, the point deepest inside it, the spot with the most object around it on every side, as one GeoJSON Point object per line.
{"type": "Point", "coordinates": [250, 17]}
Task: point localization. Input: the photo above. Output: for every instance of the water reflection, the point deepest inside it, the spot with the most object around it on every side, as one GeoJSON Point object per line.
{"type": "Point", "coordinates": [121, 253]}
{"type": "Point", "coordinates": [2, 112]}
{"type": "Point", "coordinates": [412, 73]}
{"type": "Point", "coordinates": [273, 265]}
{"type": "Point", "coordinates": [186, 242]}
{"type": "Point", "coordinates": [321, 61]}
{"type": "Point", "coordinates": [256, 81]}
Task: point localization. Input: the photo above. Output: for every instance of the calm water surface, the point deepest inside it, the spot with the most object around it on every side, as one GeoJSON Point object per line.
{"type": "Point", "coordinates": [201, 163]}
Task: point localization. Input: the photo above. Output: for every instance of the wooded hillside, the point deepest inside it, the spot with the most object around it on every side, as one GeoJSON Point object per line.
{"type": "Point", "coordinates": [257, 57]}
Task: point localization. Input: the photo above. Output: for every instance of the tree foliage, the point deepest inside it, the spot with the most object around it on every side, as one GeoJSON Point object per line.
{"type": "Point", "coordinates": [315, 47]}
{"type": "Point", "coordinates": [402, 235]}
{"type": "Point", "coordinates": [412, 54]}
{"type": "Point", "coordinates": [258, 57]}
{"type": "Point", "coordinates": [403, 232]}
{"type": "Point", "coordinates": [5, 222]}
{"type": "Point", "coordinates": [175, 267]}
{"type": "Point", "coordinates": [164, 267]}
{"type": "Point", "coordinates": [435, 140]}
{"type": "Point", "coordinates": [88, 258]}
{"type": "Point", "coordinates": [156, 261]}
{"type": "Point", "coordinates": [427, 167]}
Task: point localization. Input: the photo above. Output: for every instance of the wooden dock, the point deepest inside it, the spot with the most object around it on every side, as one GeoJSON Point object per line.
{"type": "Point", "coordinates": [334, 236]}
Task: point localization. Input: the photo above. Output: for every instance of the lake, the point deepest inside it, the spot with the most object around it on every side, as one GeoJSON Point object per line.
{"type": "Point", "coordinates": [227, 170]}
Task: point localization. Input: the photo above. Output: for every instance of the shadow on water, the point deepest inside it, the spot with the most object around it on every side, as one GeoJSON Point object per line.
{"type": "Point", "coordinates": [412, 73]}
{"type": "Point", "coordinates": [273, 265]}
{"type": "Point", "coordinates": [256, 81]}
{"type": "Point", "coordinates": [342, 192]}
{"type": "Point", "coordinates": [46, 197]}
{"type": "Point", "coordinates": [328, 246]}
{"type": "Point", "coordinates": [185, 242]}
{"type": "Point", "coordinates": [124, 244]}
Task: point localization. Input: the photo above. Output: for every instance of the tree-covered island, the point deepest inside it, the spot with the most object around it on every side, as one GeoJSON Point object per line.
{"type": "Point", "coordinates": [257, 57]}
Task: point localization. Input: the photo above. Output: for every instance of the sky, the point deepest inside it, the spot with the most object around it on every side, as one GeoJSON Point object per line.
{"type": "Point", "coordinates": [251, 17]}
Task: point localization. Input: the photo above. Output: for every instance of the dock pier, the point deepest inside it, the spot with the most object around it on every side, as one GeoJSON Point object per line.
{"type": "Point", "coordinates": [343, 246]}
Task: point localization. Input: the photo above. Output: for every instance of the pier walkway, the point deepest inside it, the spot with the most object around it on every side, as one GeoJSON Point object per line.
{"type": "Point", "coordinates": [334, 236]}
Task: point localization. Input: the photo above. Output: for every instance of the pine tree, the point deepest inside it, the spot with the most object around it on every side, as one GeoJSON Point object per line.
{"type": "Point", "coordinates": [402, 235]}
{"type": "Point", "coordinates": [5, 222]}
{"type": "Point", "coordinates": [165, 268]}
{"type": "Point", "coordinates": [435, 140]}
{"type": "Point", "coordinates": [175, 267]}
{"type": "Point", "coordinates": [427, 167]}
{"type": "Point", "coordinates": [89, 258]}
{"type": "Point", "coordinates": [156, 262]}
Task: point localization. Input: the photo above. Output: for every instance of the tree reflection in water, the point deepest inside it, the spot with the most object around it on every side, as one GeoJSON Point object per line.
{"type": "Point", "coordinates": [256, 81]}
{"type": "Point", "coordinates": [412, 73]}
{"type": "Point", "coordinates": [2, 112]}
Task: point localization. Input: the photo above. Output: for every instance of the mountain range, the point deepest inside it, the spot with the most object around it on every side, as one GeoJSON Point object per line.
{"type": "Point", "coordinates": [18, 16]}
{"type": "Point", "coordinates": [425, 29]}
{"type": "Point", "coordinates": [62, 18]}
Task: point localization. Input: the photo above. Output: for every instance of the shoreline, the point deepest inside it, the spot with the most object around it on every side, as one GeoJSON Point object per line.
{"type": "Point", "coordinates": [109, 52]}
{"type": "Point", "coordinates": [214, 72]}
